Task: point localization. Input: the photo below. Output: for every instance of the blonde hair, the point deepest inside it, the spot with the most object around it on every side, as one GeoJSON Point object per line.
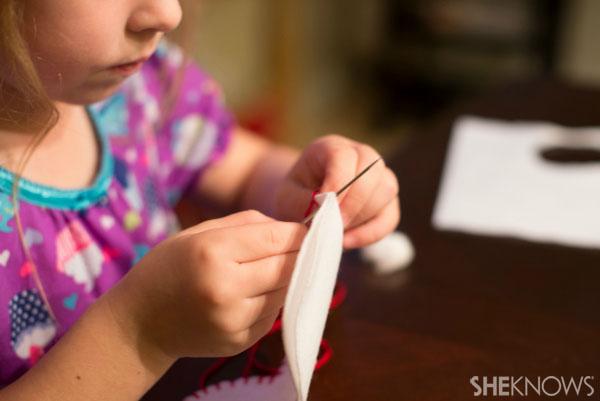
{"type": "Point", "coordinates": [25, 104]}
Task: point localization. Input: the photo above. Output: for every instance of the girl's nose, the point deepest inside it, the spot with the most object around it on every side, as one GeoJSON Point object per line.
{"type": "Point", "coordinates": [155, 15]}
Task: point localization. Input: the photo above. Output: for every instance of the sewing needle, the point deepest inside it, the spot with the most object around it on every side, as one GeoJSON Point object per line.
{"type": "Point", "coordinates": [345, 187]}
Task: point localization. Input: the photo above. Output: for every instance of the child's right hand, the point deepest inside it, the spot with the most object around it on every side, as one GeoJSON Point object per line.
{"type": "Point", "coordinates": [211, 290]}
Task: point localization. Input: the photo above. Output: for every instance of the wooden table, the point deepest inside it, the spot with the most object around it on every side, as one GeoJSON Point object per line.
{"type": "Point", "coordinates": [468, 305]}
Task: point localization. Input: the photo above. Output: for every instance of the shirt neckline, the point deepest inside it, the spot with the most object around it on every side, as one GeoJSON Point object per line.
{"type": "Point", "coordinates": [67, 199]}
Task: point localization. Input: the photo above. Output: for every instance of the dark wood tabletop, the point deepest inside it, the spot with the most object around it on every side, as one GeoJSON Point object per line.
{"type": "Point", "coordinates": [468, 305]}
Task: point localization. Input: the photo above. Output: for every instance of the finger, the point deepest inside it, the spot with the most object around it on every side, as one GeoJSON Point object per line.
{"type": "Point", "coordinates": [261, 307]}
{"type": "Point", "coordinates": [268, 274]}
{"type": "Point", "coordinates": [360, 192]}
{"type": "Point", "coordinates": [376, 228]}
{"type": "Point", "coordinates": [294, 200]}
{"type": "Point", "coordinates": [260, 328]}
{"type": "Point", "coordinates": [318, 169]}
{"type": "Point", "coordinates": [337, 163]}
{"type": "Point", "coordinates": [386, 190]}
{"type": "Point", "coordinates": [256, 241]}
{"type": "Point", "coordinates": [233, 220]}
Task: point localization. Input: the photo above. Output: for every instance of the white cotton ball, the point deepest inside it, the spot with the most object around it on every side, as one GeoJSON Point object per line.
{"type": "Point", "coordinates": [392, 253]}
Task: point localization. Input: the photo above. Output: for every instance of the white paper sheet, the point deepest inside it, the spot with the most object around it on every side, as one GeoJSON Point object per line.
{"type": "Point", "coordinates": [304, 314]}
{"type": "Point", "coordinates": [495, 182]}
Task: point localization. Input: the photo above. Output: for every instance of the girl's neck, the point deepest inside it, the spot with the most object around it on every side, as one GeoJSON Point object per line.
{"type": "Point", "coordinates": [14, 142]}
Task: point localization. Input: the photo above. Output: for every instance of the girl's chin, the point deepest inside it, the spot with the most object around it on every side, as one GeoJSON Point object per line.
{"type": "Point", "coordinates": [91, 94]}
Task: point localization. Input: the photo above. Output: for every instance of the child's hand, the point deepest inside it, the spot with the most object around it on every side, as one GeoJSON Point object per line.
{"type": "Point", "coordinates": [213, 289]}
{"type": "Point", "coordinates": [370, 207]}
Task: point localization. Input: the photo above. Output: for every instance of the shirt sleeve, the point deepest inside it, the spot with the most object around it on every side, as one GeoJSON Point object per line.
{"type": "Point", "coordinates": [196, 127]}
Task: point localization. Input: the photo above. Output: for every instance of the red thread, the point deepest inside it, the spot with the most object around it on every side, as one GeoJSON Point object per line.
{"type": "Point", "coordinates": [339, 295]}
{"type": "Point", "coordinates": [212, 369]}
{"type": "Point", "coordinates": [326, 356]}
{"type": "Point", "coordinates": [276, 326]}
{"type": "Point", "coordinates": [269, 371]}
{"type": "Point", "coordinates": [251, 358]}
{"type": "Point", "coordinates": [312, 205]}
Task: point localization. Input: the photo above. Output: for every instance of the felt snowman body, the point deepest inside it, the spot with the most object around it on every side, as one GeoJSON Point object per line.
{"type": "Point", "coordinates": [279, 387]}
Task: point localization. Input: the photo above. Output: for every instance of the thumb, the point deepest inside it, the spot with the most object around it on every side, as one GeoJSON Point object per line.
{"type": "Point", "coordinates": [339, 169]}
{"type": "Point", "coordinates": [293, 200]}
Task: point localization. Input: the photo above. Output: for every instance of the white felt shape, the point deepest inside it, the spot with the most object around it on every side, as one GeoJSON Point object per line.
{"type": "Point", "coordinates": [253, 388]}
{"type": "Point", "coordinates": [495, 182]}
{"type": "Point", "coordinates": [310, 291]}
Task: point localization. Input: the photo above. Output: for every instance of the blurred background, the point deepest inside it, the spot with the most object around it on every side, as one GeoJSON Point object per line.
{"type": "Point", "coordinates": [377, 69]}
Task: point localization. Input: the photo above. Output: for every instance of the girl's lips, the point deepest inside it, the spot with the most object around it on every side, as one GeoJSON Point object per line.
{"type": "Point", "coordinates": [129, 68]}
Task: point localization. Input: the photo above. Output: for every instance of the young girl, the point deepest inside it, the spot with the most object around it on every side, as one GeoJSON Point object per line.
{"type": "Point", "coordinates": [99, 292]}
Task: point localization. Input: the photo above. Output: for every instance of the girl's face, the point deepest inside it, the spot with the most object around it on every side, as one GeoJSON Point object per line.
{"type": "Point", "coordinates": [74, 43]}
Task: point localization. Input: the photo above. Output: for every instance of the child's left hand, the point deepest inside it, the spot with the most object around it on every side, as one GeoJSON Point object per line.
{"type": "Point", "coordinates": [370, 207]}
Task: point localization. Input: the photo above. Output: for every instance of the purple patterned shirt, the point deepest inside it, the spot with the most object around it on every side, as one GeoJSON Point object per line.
{"type": "Point", "coordinates": [83, 241]}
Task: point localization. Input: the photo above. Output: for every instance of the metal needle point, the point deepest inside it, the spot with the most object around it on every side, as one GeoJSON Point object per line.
{"type": "Point", "coordinates": [345, 187]}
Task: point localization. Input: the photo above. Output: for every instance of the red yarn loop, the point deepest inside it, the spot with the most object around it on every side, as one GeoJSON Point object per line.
{"type": "Point", "coordinates": [211, 370]}
{"type": "Point", "coordinates": [312, 205]}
